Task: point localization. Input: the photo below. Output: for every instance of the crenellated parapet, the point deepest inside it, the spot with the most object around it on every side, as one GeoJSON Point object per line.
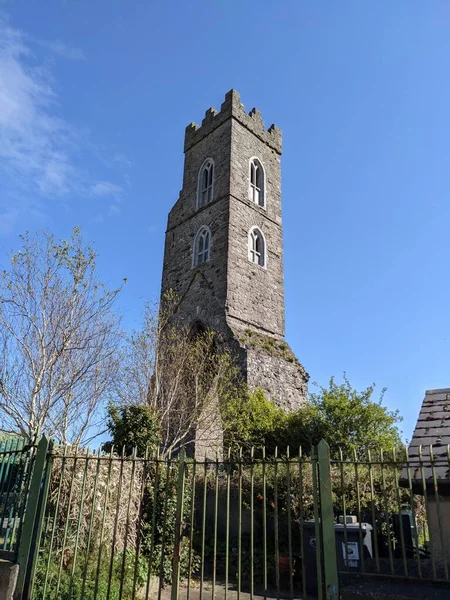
{"type": "Point", "coordinates": [232, 107]}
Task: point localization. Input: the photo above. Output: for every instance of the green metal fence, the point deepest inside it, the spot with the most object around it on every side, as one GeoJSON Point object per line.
{"type": "Point", "coordinates": [111, 527]}
{"type": "Point", "coordinates": [16, 460]}
{"type": "Point", "coordinates": [401, 504]}
{"type": "Point", "coordinates": [131, 527]}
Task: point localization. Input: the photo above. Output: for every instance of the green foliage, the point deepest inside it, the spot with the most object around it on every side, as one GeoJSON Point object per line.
{"type": "Point", "coordinates": [250, 420]}
{"type": "Point", "coordinates": [90, 579]}
{"type": "Point", "coordinates": [346, 418]}
{"type": "Point", "coordinates": [133, 427]}
{"type": "Point", "coordinates": [159, 521]}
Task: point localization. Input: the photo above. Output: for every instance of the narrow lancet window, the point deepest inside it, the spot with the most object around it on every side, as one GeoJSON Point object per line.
{"type": "Point", "coordinates": [205, 183]}
{"type": "Point", "coordinates": [256, 247]}
{"type": "Point", "coordinates": [202, 247]}
{"type": "Point", "coordinates": [256, 188]}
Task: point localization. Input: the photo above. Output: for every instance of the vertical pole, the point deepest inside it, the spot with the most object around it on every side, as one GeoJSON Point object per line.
{"type": "Point", "coordinates": [178, 527]}
{"type": "Point", "coordinates": [153, 528]}
{"type": "Point", "coordinates": [264, 501]}
{"type": "Point", "coordinates": [239, 557]}
{"type": "Point", "coordinates": [227, 531]}
{"type": "Point", "coordinates": [216, 513]}
{"type": "Point", "coordinates": [327, 522]}
{"type": "Point", "coordinates": [163, 540]}
{"type": "Point", "coordinates": [276, 523]}
{"type": "Point", "coordinates": [317, 523]}
{"type": "Point", "coordinates": [205, 499]}
{"type": "Point", "coordinates": [289, 517]}
{"type": "Point", "coordinates": [191, 532]}
{"type": "Point", "coordinates": [301, 519]}
{"type": "Point", "coordinates": [252, 527]}
{"type": "Point", "coordinates": [30, 516]}
{"type": "Point", "coordinates": [39, 523]}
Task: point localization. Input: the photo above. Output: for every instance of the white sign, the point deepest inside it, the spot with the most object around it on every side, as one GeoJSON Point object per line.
{"type": "Point", "coordinates": [351, 554]}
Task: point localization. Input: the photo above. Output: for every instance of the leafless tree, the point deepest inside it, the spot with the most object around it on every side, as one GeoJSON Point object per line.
{"type": "Point", "coordinates": [183, 374]}
{"type": "Point", "coordinates": [58, 339]}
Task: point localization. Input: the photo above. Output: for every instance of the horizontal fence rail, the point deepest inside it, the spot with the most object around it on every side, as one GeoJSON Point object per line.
{"type": "Point", "coordinates": [393, 514]}
{"type": "Point", "coordinates": [247, 526]}
{"type": "Point", "coordinates": [161, 527]}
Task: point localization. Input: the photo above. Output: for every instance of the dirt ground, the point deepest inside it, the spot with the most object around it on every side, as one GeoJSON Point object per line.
{"type": "Point", "coordinates": [385, 590]}
{"type": "Point", "coordinates": [364, 589]}
{"type": "Point", "coordinates": [231, 594]}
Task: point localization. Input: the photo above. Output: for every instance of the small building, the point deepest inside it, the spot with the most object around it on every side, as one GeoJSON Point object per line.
{"type": "Point", "coordinates": [429, 467]}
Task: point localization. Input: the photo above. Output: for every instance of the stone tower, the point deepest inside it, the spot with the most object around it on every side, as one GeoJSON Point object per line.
{"type": "Point", "coordinates": [224, 246]}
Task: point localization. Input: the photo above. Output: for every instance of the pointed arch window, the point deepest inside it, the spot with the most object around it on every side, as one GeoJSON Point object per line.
{"type": "Point", "coordinates": [205, 183]}
{"type": "Point", "coordinates": [257, 181]}
{"type": "Point", "coordinates": [202, 246]}
{"type": "Point", "coordinates": [256, 247]}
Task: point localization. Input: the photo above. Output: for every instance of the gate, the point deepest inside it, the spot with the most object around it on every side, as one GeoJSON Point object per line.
{"type": "Point", "coordinates": [130, 527]}
{"type": "Point", "coordinates": [97, 526]}
{"type": "Point", "coordinates": [24, 478]}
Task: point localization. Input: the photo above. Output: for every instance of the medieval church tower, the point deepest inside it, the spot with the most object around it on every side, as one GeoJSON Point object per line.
{"type": "Point", "coordinates": [224, 246]}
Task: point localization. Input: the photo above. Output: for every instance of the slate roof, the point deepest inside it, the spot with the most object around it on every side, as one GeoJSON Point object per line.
{"type": "Point", "coordinates": [432, 429]}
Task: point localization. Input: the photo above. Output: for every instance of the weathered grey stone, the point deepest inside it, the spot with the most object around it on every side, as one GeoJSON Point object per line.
{"type": "Point", "coordinates": [242, 301]}
{"type": "Point", "coordinates": [8, 578]}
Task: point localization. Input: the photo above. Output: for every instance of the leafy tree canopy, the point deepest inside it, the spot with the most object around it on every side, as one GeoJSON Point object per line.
{"type": "Point", "coordinates": [346, 418]}
{"type": "Point", "coordinates": [250, 419]}
{"type": "Point", "coordinates": [133, 427]}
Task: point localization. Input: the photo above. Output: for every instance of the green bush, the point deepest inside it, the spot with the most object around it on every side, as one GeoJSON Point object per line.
{"type": "Point", "coordinates": [89, 579]}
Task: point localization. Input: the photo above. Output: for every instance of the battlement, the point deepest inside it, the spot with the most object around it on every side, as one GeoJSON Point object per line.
{"type": "Point", "coordinates": [232, 107]}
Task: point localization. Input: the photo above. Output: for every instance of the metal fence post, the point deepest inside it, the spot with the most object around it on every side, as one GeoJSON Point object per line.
{"type": "Point", "coordinates": [31, 529]}
{"type": "Point", "coordinates": [317, 523]}
{"type": "Point", "coordinates": [178, 526]}
{"type": "Point", "coordinates": [330, 575]}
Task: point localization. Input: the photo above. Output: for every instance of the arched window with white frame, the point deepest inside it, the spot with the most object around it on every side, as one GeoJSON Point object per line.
{"type": "Point", "coordinates": [205, 188]}
{"type": "Point", "coordinates": [202, 246]}
{"type": "Point", "coordinates": [256, 188]}
{"type": "Point", "coordinates": [257, 247]}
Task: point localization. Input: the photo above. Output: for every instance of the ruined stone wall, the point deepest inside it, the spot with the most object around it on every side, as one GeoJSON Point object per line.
{"type": "Point", "coordinates": [271, 365]}
{"type": "Point", "coordinates": [229, 293]}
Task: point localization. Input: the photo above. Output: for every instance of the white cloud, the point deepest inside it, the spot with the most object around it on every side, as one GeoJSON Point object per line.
{"type": "Point", "coordinates": [106, 188]}
{"type": "Point", "coordinates": [38, 148]}
{"type": "Point", "coordinates": [33, 142]}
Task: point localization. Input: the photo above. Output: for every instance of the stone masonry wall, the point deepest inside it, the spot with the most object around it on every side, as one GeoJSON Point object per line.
{"type": "Point", "coordinates": [271, 365]}
{"type": "Point", "coordinates": [229, 293]}
{"type": "Point", "coordinates": [202, 289]}
{"type": "Point", "coordinates": [285, 382]}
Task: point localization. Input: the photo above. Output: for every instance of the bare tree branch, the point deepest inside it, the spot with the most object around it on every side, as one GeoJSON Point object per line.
{"type": "Point", "coordinates": [181, 374]}
{"type": "Point", "coordinates": [58, 339]}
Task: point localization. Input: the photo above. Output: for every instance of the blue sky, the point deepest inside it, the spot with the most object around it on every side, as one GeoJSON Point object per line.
{"type": "Point", "coordinates": [94, 99]}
